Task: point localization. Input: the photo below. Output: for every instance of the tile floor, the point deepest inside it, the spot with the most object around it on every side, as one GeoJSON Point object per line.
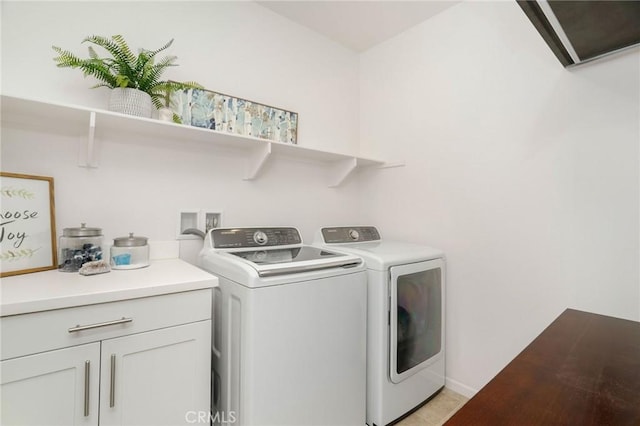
{"type": "Point", "coordinates": [437, 411]}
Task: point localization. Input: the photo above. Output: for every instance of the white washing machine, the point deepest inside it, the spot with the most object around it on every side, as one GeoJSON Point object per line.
{"type": "Point", "coordinates": [405, 334]}
{"type": "Point", "coordinates": [289, 330]}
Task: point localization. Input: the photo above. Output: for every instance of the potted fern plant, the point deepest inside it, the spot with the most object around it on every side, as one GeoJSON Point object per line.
{"type": "Point", "coordinates": [134, 80]}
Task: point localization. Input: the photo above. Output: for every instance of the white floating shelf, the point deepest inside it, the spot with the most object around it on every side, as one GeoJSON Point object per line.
{"type": "Point", "coordinates": [78, 120]}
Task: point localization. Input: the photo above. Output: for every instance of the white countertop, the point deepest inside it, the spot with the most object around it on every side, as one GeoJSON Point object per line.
{"type": "Point", "coordinates": [43, 291]}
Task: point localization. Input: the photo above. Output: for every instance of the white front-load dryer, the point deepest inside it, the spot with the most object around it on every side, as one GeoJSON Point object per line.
{"type": "Point", "coordinates": [405, 319]}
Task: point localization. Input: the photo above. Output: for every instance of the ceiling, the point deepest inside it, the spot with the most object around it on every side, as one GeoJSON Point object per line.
{"type": "Point", "coordinates": [358, 25]}
{"type": "Point", "coordinates": [576, 30]}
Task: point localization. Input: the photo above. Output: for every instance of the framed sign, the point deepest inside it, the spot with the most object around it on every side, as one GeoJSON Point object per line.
{"type": "Point", "coordinates": [28, 227]}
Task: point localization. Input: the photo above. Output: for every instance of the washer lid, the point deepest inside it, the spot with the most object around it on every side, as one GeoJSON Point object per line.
{"type": "Point", "coordinates": [278, 261]}
{"type": "Point", "coordinates": [267, 251]}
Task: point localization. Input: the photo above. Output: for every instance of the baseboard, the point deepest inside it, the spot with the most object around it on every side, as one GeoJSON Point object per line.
{"type": "Point", "coordinates": [460, 388]}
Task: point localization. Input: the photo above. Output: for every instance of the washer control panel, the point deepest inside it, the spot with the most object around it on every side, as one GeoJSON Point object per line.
{"type": "Point", "coordinates": [349, 234]}
{"type": "Point", "coordinates": [260, 238]}
{"type": "Point", "coordinates": [254, 237]}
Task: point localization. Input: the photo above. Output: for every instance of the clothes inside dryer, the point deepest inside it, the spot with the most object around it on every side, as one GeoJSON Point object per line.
{"type": "Point", "coordinates": [418, 318]}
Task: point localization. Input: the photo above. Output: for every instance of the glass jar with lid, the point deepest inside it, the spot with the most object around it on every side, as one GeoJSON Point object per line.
{"type": "Point", "coordinates": [78, 246]}
{"type": "Point", "coordinates": [130, 252]}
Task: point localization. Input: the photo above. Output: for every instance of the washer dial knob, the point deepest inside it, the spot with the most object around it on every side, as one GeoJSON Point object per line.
{"type": "Point", "coordinates": [355, 235]}
{"type": "Point", "coordinates": [260, 238]}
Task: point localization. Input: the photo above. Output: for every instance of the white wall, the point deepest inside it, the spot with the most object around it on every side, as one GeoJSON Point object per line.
{"type": "Point", "coordinates": [238, 48]}
{"type": "Point", "coordinates": [525, 173]}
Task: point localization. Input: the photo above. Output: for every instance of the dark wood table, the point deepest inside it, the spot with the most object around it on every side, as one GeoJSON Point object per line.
{"type": "Point", "coordinates": [584, 369]}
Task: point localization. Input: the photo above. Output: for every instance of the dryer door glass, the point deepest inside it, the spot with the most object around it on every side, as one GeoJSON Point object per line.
{"type": "Point", "coordinates": [416, 317]}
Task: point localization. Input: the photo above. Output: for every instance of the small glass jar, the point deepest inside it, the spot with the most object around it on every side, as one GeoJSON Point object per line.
{"type": "Point", "coordinates": [78, 246]}
{"type": "Point", "coordinates": [129, 252]}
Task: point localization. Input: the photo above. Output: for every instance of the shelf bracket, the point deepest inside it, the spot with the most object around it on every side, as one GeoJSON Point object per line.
{"type": "Point", "coordinates": [257, 160]}
{"type": "Point", "coordinates": [392, 165]}
{"type": "Point", "coordinates": [342, 170]}
{"type": "Point", "coordinates": [86, 154]}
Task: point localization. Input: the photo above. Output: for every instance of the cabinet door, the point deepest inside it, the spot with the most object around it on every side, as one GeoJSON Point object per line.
{"type": "Point", "coordinates": [161, 377]}
{"type": "Point", "coordinates": [52, 388]}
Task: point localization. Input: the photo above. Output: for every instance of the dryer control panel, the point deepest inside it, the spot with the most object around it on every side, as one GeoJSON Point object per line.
{"type": "Point", "coordinates": [254, 237]}
{"type": "Point", "coordinates": [350, 234]}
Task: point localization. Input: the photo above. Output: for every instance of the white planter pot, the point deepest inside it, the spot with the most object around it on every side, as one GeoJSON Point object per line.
{"type": "Point", "coordinates": [131, 102]}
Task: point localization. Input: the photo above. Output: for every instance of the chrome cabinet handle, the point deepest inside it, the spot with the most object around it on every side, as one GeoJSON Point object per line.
{"type": "Point", "coordinates": [79, 327]}
{"type": "Point", "coordinates": [112, 391]}
{"type": "Point", "coordinates": [87, 371]}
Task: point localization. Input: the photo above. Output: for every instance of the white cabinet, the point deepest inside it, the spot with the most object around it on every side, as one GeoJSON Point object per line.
{"type": "Point", "coordinates": [52, 388]}
{"type": "Point", "coordinates": [143, 361]}
{"type": "Point", "coordinates": [157, 378]}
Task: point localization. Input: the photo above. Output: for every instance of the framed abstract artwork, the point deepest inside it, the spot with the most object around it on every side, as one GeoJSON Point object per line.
{"type": "Point", "coordinates": [224, 113]}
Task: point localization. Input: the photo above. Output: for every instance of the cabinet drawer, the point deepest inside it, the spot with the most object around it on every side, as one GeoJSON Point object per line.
{"type": "Point", "coordinates": [43, 331]}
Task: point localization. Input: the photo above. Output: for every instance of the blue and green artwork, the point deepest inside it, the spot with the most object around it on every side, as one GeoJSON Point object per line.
{"type": "Point", "coordinates": [216, 111]}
